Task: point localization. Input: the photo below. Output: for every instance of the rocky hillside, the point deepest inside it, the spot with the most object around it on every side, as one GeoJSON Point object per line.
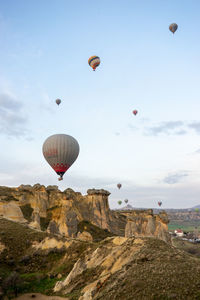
{"type": "Point", "coordinates": [49, 209]}
{"type": "Point", "coordinates": [113, 268]}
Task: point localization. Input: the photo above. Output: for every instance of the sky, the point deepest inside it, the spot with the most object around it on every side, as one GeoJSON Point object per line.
{"type": "Point", "coordinates": [45, 46]}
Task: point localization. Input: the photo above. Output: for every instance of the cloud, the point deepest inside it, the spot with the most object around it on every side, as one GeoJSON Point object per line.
{"type": "Point", "coordinates": [169, 128]}
{"type": "Point", "coordinates": [12, 121]}
{"type": "Point", "coordinates": [175, 177]}
{"type": "Point", "coordinates": [180, 132]}
{"type": "Point", "coordinates": [196, 126]}
{"type": "Point", "coordinates": [117, 133]}
{"type": "Point", "coordinates": [197, 151]}
{"type": "Point", "coordinates": [132, 127]}
{"type": "Point", "coordinates": [173, 128]}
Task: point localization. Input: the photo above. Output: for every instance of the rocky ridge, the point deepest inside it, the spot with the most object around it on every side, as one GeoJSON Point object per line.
{"type": "Point", "coordinates": [57, 212]}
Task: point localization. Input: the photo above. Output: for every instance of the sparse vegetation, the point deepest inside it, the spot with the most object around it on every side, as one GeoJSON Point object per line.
{"type": "Point", "coordinates": [97, 233]}
{"type": "Point", "coordinates": [44, 222]}
{"type": "Point", "coordinates": [188, 247]}
{"type": "Point", "coordinates": [27, 211]}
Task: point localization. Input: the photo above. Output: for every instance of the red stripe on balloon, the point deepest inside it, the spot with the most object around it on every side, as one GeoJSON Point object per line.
{"type": "Point", "coordinates": [60, 168]}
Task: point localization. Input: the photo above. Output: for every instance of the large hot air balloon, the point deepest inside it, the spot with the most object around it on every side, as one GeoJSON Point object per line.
{"type": "Point", "coordinates": [159, 203]}
{"type": "Point", "coordinates": [58, 101]}
{"type": "Point", "coordinates": [126, 201]}
{"type": "Point", "coordinates": [94, 62]}
{"type": "Point", "coordinates": [135, 112]}
{"type": "Point", "coordinates": [119, 202]}
{"type": "Point", "coordinates": [173, 27]}
{"type": "Point", "coordinates": [60, 151]}
{"type": "Point", "coordinates": [119, 185]}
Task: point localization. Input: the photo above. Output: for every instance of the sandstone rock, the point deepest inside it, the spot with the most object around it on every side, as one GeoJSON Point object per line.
{"type": "Point", "coordinates": [146, 224]}
{"type": "Point", "coordinates": [84, 236]}
{"type": "Point", "coordinates": [98, 192]}
{"type": "Point", "coordinates": [64, 221]}
{"type": "Point", "coordinates": [119, 240]}
{"type": "Point", "coordinates": [53, 228]}
{"type": "Point", "coordinates": [35, 220]}
{"type": "Point", "coordinates": [12, 212]}
{"type": "Point", "coordinates": [109, 258]}
{"type": "Point", "coordinates": [52, 243]}
{"type": "Point", "coordinates": [52, 188]}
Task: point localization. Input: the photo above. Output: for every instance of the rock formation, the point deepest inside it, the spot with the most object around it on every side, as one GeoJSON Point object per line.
{"type": "Point", "coordinates": [61, 212]}
{"type": "Point", "coordinates": [145, 223]}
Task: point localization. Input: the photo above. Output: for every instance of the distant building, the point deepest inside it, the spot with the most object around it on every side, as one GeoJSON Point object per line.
{"type": "Point", "coordinates": [178, 232]}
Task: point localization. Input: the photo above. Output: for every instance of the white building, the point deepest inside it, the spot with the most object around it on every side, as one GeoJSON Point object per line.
{"type": "Point", "coordinates": [178, 232]}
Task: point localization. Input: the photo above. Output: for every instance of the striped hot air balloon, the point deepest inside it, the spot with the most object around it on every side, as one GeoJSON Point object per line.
{"type": "Point", "coordinates": [94, 62]}
{"type": "Point", "coordinates": [173, 27]}
{"type": "Point", "coordinates": [60, 151]}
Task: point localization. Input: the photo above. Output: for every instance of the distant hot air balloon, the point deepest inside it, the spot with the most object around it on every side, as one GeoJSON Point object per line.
{"type": "Point", "coordinates": [94, 62]}
{"type": "Point", "coordinates": [119, 186]}
{"type": "Point", "coordinates": [126, 201]}
{"type": "Point", "coordinates": [135, 112]}
{"type": "Point", "coordinates": [173, 27]}
{"type": "Point", "coordinates": [159, 203]}
{"type": "Point", "coordinates": [60, 151]}
{"type": "Point", "coordinates": [58, 101]}
{"type": "Point", "coordinates": [119, 202]}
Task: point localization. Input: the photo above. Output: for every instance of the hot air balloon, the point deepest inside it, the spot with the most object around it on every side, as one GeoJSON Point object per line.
{"type": "Point", "coordinates": [58, 101]}
{"type": "Point", "coordinates": [126, 201]}
{"type": "Point", "coordinates": [159, 203]}
{"type": "Point", "coordinates": [60, 151]}
{"type": "Point", "coordinates": [173, 27]}
{"type": "Point", "coordinates": [135, 112]}
{"type": "Point", "coordinates": [119, 202]}
{"type": "Point", "coordinates": [119, 186]}
{"type": "Point", "coordinates": [94, 62]}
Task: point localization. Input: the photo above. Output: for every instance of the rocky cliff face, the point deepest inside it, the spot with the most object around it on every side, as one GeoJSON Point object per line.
{"type": "Point", "coordinates": [145, 223]}
{"type": "Point", "coordinates": [48, 208]}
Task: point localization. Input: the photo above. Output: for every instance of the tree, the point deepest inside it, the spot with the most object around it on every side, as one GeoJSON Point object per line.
{"type": "Point", "coordinates": [12, 283]}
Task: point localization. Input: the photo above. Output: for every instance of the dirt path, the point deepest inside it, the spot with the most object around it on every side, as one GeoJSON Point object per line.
{"type": "Point", "coordinates": [38, 296]}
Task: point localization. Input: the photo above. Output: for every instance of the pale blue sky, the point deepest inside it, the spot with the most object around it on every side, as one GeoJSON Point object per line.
{"type": "Point", "coordinates": [44, 50]}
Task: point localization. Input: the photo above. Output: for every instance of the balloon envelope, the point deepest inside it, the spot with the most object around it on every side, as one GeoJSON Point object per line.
{"type": "Point", "coordinates": [126, 200]}
{"type": "Point", "coordinates": [60, 151]}
{"type": "Point", "coordinates": [120, 202]}
{"type": "Point", "coordinates": [159, 203]}
{"type": "Point", "coordinates": [119, 185]}
{"type": "Point", "coordinates": [58, 101]}
{"type": "Point", "coordinates": [94, 62]}
{"type": "Point", "coordinates": [173, 27]}
{"type": "Point", "coordinates": [135, 112]}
